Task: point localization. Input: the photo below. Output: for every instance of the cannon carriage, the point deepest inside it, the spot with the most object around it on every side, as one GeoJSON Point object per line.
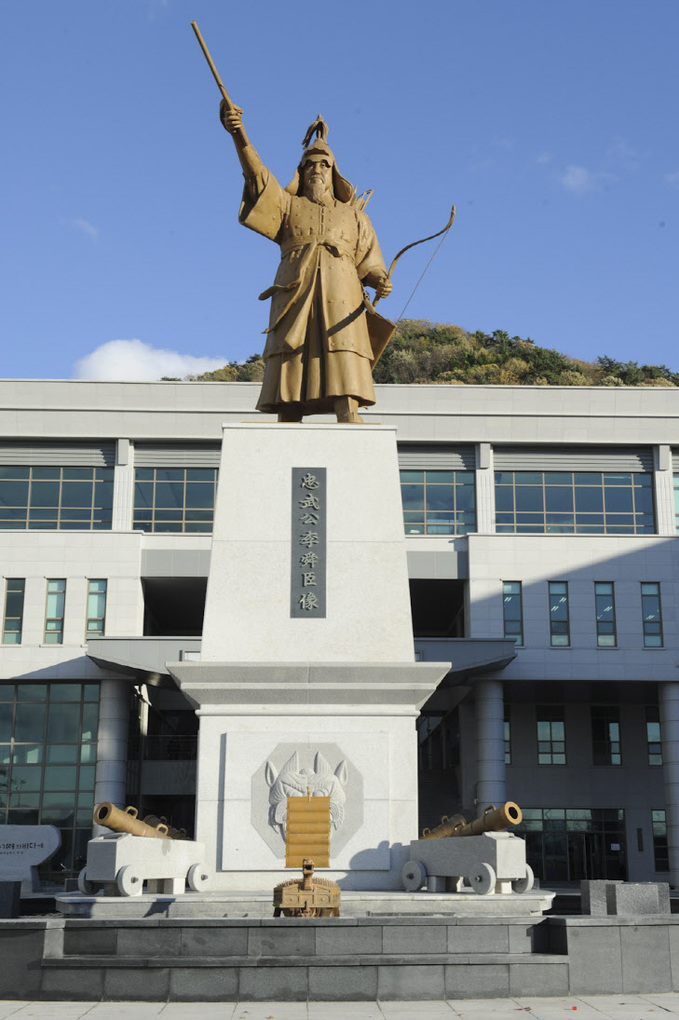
{"type": "Point", "coordinates": [138, 853]}
{"type": "Point", "coordinates": [480, 853]}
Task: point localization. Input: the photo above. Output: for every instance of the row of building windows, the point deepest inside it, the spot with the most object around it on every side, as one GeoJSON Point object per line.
{"type": "Point", "coordinates": [435, 502]}
{"type": "Point", "coordinates": [55, 607]}
{"type": "Point", "coordinates": [605, 734]}
{"type": "Point", "coordinates": [604, 613]}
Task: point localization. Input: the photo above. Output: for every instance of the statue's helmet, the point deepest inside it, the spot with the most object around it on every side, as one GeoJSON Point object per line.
{"type": "Point", "coordinates": [342, 188]}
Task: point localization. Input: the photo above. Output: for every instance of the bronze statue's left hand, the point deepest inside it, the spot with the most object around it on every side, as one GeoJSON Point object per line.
{"type": "Point", "coordinates": [383, 288]}
{"type": "Point", "coordinates": [231, 117]}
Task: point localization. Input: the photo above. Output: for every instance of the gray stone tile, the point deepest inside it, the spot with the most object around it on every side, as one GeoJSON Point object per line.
{"type": "Point", "coordinates": [417, 1010]}
{"type": "Point", "coordinates": [342, 983]}
{"type": "Point", "coordinates": [595, 960]}
{"type": "Point", "coordinates": [204, 984]}
{"type": "Point", "coordinates": [221, 942]}
{"type": "Point", "coordinates": [277, 941]}
{"type": "Point", "coordinates": [538, 979]}
{"type": "Point", "coordinates": [478, 938]}
{"type": "Point", "coordinates": [20, 953]}
{"type": "Point", "coordinates": [90, 941]}
{"type": "Point", "coordinates": [143, 984]}
{"type": "Point", "coordinates": [521, 938]}
{"type": "Point", "coordinates": [72, 983]}
{"type": "Point", "coordinates": [285, 984]}
{"type": "Point", "coordinates": [348, 941]}
{"type": "Point", "coordinates": [416, 982]}
{"type": "Point", "coordinates": [404, 938]}
{"type": "Point", "coordinates": [645, 959]}
{"type": "Point", "coordinates": [146, 943]}
{"type": "Point", "coordinates": [481, 1008]}
{"type": "Point", "coordinates": [479, 981]}
{"type": "Point", "coordinates": [198, 1011]}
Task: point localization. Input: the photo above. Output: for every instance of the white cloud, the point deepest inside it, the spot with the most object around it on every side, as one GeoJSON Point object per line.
{"type": "Point", "coordinates": [135, 361]}
{"type": "Point", "coordinates": [84, 226]}
{"type": "Point", "coordinates": [577, 179]}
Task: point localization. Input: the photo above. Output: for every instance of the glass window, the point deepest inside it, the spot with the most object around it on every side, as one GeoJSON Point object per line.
{"type": "Point", "coordinates": [96, 608]}
{"type": "Point", "coordinates": [46, 763]}
{"type": "Point", "coordinates": [653, 741]}
{"type": "Point", "coordinates": [48, 498]}
{"type": "Point", "coordinates": [438, 502]}
{"type": "Point", "coordinates": [512, 611]}
{"type": "Point", "coordinates": [54, 611]}
{"type": "Point", "coordinates": [559, 626]}
{"type": "Point", "coordinates": [14, 610]}
{"type": "Point", "coordinates": [574, 502]}
{"type": "Point", "coordinates": [551, 734]}
{"type": "Point", "coordinates": [660, 849]}
{"type": "Point", "coordinates": [606, 745]}
{"type": "Point", "coordinates": [174, 499]}
{"type": "Point", "coordinates": [651, 614]}
{"type": "Point", "coordinates": [605, 614]}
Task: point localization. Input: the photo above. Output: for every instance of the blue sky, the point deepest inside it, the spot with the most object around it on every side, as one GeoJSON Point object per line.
{"type": "Point", "coordinates": [551, 125]}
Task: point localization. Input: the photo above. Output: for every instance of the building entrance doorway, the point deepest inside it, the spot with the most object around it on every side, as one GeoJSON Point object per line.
{"type": "Point", "coordinates": [568, 845]}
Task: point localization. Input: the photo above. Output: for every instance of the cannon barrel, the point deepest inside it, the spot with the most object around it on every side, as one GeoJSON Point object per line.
{"type": "Point", "coordinates": [119, 820]}
{"type": "Point", "coordinates": [492, 820]}
{"type": "Point", "coordinates": [170, 831]}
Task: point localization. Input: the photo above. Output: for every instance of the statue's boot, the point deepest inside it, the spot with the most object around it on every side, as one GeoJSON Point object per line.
{"type": "Point", "coordinates": [346, 409]}
{"type": "Point", "coordinates": [291, 413]}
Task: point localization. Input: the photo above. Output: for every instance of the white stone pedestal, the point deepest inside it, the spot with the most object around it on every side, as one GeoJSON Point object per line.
{"type": "Point", "coordinates": [296, 692]}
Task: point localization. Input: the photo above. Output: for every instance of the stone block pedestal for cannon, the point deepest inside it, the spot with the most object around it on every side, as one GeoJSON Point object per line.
{"type": "Point", "coordinates": [307, 676]}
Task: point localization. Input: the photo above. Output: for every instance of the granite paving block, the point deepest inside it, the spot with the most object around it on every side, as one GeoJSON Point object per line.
{"type": "Point", "coordinates": [521, 938]}
{"type": "Point", "coordinates": [20, 972]}
{"type": "Point", "coordinates": [403, 938]}
{"type": "Point", "coordinates": [538, 979]}
{"type": "Point", "coordinates": [146, 943]}
{"type": "Point", "coordinates": [645, 959]}
{"type": "Point", "coordinates": [137, 983]}
{"type": "Point", "coordinates": [206, 984]}
{"type": "Point", "coordinates": [222, 942]}
{"type": "Point", "coordinates": [341, 984]}
{"type": "Point", "coordinates": [72, 983]}
{"type": "Point", "coordinates": [633, 898]}
{"type": "Point", "coordinates": [478, 938]}
{"type": "Point", "coordinates": [480, 981]}
{"type": "Point", "coordinates": [348, 941]}
{"type": "Point", "coordinates": [411, 982]}
{"type": "Point", "coordinates": [273, 984]}
{"type": "Point", "coordinates": [295, 941]}
{"type": "Point", "coordinates": [90, 941]}
{"type": "Point", "coordinates": [595, 959]}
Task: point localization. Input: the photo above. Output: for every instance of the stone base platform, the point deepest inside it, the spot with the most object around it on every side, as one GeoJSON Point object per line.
{"type": "Point", "coordinates": [260, 905]}
{"type": "Point", "coordinates": [162, 959]}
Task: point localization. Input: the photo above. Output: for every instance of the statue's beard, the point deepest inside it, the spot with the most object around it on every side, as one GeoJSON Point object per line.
{"type": "Point", "coordinates": [317, 191]}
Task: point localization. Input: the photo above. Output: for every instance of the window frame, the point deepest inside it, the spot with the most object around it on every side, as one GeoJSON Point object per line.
{"type": "Point", "coordinates": [600, 633]}
{"type": "Point", "coordinates": [506, 596]}
{"type": "Point", "coordinates": [553, 631]}
{"type": "Point", "coordinates": [646, 622]}
{"type": "Point", "coordinates": [100, 631]}
{"type": "Point", "coordinates": [605, 746]}
{"type": "Point", "coordinates": [61, 603]}
{"type": "Point", "coordinates": [551, 716]}
{"type": "Point", "coordinates": [20, 618]}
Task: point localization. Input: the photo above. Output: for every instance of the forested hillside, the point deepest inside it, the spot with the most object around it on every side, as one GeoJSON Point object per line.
{"type": "Point", "coordinates": [431, 352]}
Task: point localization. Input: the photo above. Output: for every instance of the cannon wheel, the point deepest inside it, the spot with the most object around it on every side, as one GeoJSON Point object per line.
{"type": "Point", "coordinates": [197, 878]}
{"type": "Point", "coordinates": [413, 875]}
{"type": "Point", "coordinates": [522, 885]}
{"type": "Point", "coordinates": [129, 882]}
{"type": "Point", "coordinates": [84, 885]}
{"type": "Point", "coordinates": [482, 879]}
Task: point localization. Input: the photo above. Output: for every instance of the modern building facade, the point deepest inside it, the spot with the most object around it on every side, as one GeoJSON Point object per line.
{"type": "Point", "coordinates": [541, 537]}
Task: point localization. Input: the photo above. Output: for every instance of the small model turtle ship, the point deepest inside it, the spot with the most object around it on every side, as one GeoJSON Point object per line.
{"type": "Point", "coordinates": [307, 832]}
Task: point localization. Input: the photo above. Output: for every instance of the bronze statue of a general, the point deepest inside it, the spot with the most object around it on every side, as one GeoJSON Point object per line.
{"type": "Point", "coordinates": [323, 333]}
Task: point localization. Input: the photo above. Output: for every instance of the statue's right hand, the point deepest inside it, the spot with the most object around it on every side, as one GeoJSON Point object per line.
{"type": "Point", "coordinates": [231, 118]}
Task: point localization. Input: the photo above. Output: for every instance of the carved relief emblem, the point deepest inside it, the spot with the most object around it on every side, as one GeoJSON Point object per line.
{"type": "Point", "coordinates": [293, 781]}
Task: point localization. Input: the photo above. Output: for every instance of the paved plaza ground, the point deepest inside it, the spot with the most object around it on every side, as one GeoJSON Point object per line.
{"type": "Point", "coordinates": [588, 1007]}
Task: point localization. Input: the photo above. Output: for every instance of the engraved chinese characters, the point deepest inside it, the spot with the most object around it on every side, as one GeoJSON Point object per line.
{"type": "Point", "coordinates": [308, 565]}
